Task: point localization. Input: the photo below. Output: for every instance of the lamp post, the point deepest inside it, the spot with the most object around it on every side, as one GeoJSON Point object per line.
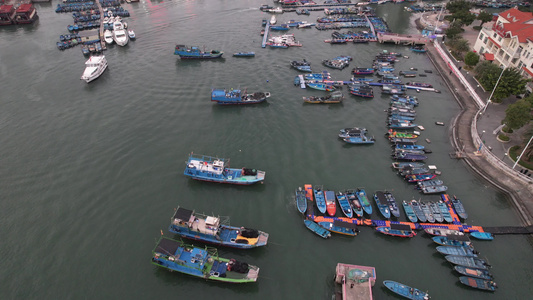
{"type": "Point", "coordinates": [494, 89]}
{"type": "Point", "coordinates": [520, 156]}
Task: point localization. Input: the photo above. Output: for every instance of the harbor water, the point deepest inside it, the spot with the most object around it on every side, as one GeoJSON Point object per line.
{"type": "Point", "coordinates": [91, 173]}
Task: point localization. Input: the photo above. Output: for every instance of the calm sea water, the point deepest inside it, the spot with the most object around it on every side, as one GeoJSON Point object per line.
{"type": "Point", "coordinates": [92, 172]}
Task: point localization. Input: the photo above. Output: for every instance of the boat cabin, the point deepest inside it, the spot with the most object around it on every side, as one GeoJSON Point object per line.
{"type": "Point", "coordinates": [25, 14]}
{"type": "Point", "coordinates": [7, 15]}
{"type": "Point", "coordinates": [401, 227]}
{"type": "Point", "coordinates": [206, 225]}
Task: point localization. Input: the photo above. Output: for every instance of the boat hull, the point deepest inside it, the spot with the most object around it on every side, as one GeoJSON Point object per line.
{"type": "Point", "coordinates": [405, 291]}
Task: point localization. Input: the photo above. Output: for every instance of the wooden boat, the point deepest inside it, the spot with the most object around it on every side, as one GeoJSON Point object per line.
{"type": "Point", "coordinates": [363, 199]}
{"type": "Point", "coordinates": [400, 230]}
{"type": "Point", "coordinates": [301, 200]}
{"type": "Point", "coordinates": [404, 135]}
{"type": "Point", "coordinates": [345, 205]}
{"type": "Point", "coordinates": [452, 240]}
{"type": "Point", "coordinates": [244, 54]}
{"type": "Point", "coordinates": [473, 272]}
{"type": "Point", "coordinates": [459, 209]}
{"type": "Point", "coordinates": [460, 251]}
{"type": "Point", "coordinates": [487, 236]}
{"type": "Point", "coordinates": [391, 202]}
{"type": "Point", "coordinates": [406, 291]}
{"type": "Point", "coordinates": [468, 261]}
{"type": "Point", "coordinates": [436, 231]}
{"type": "Point", "coordinates": [436, 212]}
{"type": "Point", "coordinates": [331, 206]}
{"type": "Point", "coordinates": [335, 97]}
{"type": "Point", "coordinates": [214, 169]}
{"type": "Point", "coordinates": [435, 189]}
{"type": "Point", "coordinates": [418, 211]}
{"type": "Point", "coordinates": [381, 202]}
{"type": "Point", "coordinates": [319, 198]}
{"type": "Point", "coordinates": [314, 227]}
{"type": "Point", "coordinates": [478, 283]}
{"type": "Point", "coordinates": [357, 207]}
{"type": "Point", "coordinates": [445, 211]}
{"type": "Point", "coordinates": [427, 212]}
{"type": "Point", "coordinates": [340, 227]}
{"type": "Point", "coordinates": [401, 165]}
{"type": "Point", "coordinates": [419, 177]}
{"type": "Point", "coordinates": [409, 212]}
{"type": "Point", "coordinates": [237, 97]}
{"type": "Point", "coordinates": [201, 262]}
{"type": "Point", "coordinates": [214, 230]}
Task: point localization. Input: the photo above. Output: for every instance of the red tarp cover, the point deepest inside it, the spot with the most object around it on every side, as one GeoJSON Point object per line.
{"type": "Point", "coordinates": [489, 56]}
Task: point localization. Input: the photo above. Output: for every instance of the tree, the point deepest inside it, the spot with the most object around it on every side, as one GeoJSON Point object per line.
{"type": "Point", "coordinates": [511, 83]}
{"type": "Point", "coordinates": [517, 114]}
{"type": "Point", "coordinates": [487, 74]}
{"type": "Point", "coordinates": [484, 17]}
{"type": "Point", "coordinates": [458, 46]}
{"type": "Point", "coordinates": [471, 59]}
{"type": "Point", "coordinates": [465, 16]}
{"type": "Point", "coordinates": [457, 6]}
{"type": "Point", "coordinates": [453, 31]}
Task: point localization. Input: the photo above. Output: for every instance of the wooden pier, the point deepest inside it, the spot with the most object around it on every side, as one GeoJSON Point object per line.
{"type": "Point", "coordinates": [510, 230]}
{"type": "Point", "coordinates": [411, 39]}
{"type": "Point", "coordinates": [356, 281]}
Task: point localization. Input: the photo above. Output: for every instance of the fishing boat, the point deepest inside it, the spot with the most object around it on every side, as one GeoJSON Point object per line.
{"type": "Point", "coordinates": [363, 91]}
{"type": "Point", "coordinates": [427, 212]}
{"type": "Point", "coordinates": [459, 209]}
{"type": "Point", "coordinates": [460, 251]}
{"type": "Point", "coordinates": [214, 169]}
{"type": "Point", "coordinates": [419, 177]}
{"type": "Point", "coordinates": [201, 262]}
{"type": "Point", "coordinates": [331, 206]}
{"type": "Point", "coordinates": [194, 52]}
{"type": "Point", "coordinates": [305, 24]}
{"type": "Point", "coordinates": [409, 156]}
{"type": "Point", "coordinates": [363, 71]}
{"type": "Point", "coordinates": [303, 65]}
{"type": "Point", "coordinates": [318, 76]}
{"type": "Point", "coordinates": [452, 240]}
{"type": "Point", "coordinates": [403, 135]}
{"type": "Point", "coordinates": [319, 198]}
{"type": "Point", "coordinates": [214, 230]}
{"type": "Point", "coordinates": [357, 207]}
{"type": "Point", "coordinates": [473, 272]}
{"type": "Point", "coordinates": [244, 54]}
{"type": "Point", "coordinates": [401, 165]}
{"type": "Point", "coordinates": [434, 182]}
{"type": "Point", "coordinates": [280, 27]}
{"type": "Point", "coordinates": [381, 202]}
{"type": "Point", "coordinates": [419, 84]}
{"type": "Point", "coordinates": [359, 139]}
{"type": "Point", "coordinates": [413, 171]}
{"type": "Point", "coordinates": [468, 261]}
{"type": "Point", "coordinates": [445, 211]}
{"type": "Point", "coordinates": [478, 283]}
{"type": "Point", "coordinates": [418, 49]}
{"type": "Point", "coordinates": [301, 200]}
{"type": "Point", "coordinates": [344, 203]}
{"type": "Point", "coordinates": [436, 212]}
{"type": "Point", "coordinates": [340, 227]}
{"type": "Point", "coordinates": [237, 97]}
{"type": "Point", "coordinates": [401, 124]}
{"type": "Point", "coordinates": [409, 212]}
{"type": "Point", "coordinates": [391, 202]}
{"type": "Point", "coordinates": [94, 67]}
{"type": "Point", "coordinates": [487, 236]}
{"type": "Point", "coordinates": [363, 199]}
{"type": "Point", "coordinates": [418, 211]}
{"type": "Point", "coordinates": [322, 87]}
{"type": "Point", "coordinates": [108, 36]}
{"type": "Point", "coordinates": [314, 227]}
{"type": "Point", "coordinates": [346, 132]}
{"type": "Point", "coordinates": [406, 291]}
{"type": "Point", "coordinates": [332, 98]}
{"type": "Point", "coordinates": [435, 189]}
{"type": "Point", "coordinates": [400, 230]}
{"type": "Point", "coordinates": [408, 146]}
{"type": "Point", "coordinates": [119, 34]}
{"type": "Point", "coordinates": [437, 231]}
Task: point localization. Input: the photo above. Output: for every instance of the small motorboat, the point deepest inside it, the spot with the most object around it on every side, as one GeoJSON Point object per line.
{"type": "Point", "coordinates": [418, 211]}
{"type": "Point", "coordinates": [94, 67]}
{"type": "Point", "coordinates": [314, 227]}
{"type": "Point", "coordinates": [301, 200]}
{"type": "Point", "coordinates": [459, 209]}
{"type": "Point", "coordinates": [406, 291]}
{"type": "Point", "coordinates": [357, 207]}
{"type": "Point", "coordinates": [363, 199]}
{"type": "Point", "coordinates": [472, 272]}
{"type": "Point", "coordinates": [409, 211]}
{"type": "Point", "coordinates": [244, 54]}
{"type": "Point", "coordinates": [340, 227]}
{"type": "Point", "coordinates": [108, 37]}
{"type": "Point", "coordinates": [344, 203]}
{"type": "Point", "coordinates": [319, 198]}
{"type": "Point", "coordinates": [452, 240]}
{"type": "Point", "coordinates": [461, 251]}
{"type": "Point", "coordinates": [331, 206]}
{"type": "Point", "coordinates": [486, 236]}
{"type": "Point", "coordinates": [400, 230]}
{"type": "Point", "coordinates": [131, 34]}
{"type": "Point", "coordinates": [381, 202]}
{"type": "Point", "coordinates": [478, 283]}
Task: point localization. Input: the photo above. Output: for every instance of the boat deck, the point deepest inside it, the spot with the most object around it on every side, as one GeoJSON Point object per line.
{"type": "Point", "coordinates": [352, 286]}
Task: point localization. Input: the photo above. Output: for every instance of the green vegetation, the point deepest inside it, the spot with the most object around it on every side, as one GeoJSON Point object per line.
{"type": "Point", "coordinates": [503, 137]}
{"type": "Point", "coordinates": [484, 17]}
{"type": "Point", "coordinates": [511, 82]}
{"type": "Point", "coordinates": [471, 59]}
{"type": "Point", "coordinates": [507, 129]}
{"type": "Point", "coordinates": [454, 31]}
{"type": "Point", "coordinates": [518, 114]}
{"type": "Point", "coordinates": [515, 151]}
{"type": "Point", "coordinates": [458, 46]}
{"type": "Point", "coordinates": [460, 13]}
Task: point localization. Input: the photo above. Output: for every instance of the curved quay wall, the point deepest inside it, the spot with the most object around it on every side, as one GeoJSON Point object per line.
{"type": "Point", "coordinates": [517, 186]}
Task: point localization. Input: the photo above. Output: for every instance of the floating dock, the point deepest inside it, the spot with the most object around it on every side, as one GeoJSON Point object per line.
{"type": "Point", "coordinates": [356, 281]}
{"type": "Point", "coordinates": [406, 39]}
{"type": "Point", "coordinates": [265, 36]}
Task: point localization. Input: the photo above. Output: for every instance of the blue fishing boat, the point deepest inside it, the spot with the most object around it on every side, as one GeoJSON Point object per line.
{"type": "Point", "coordinates": [459, 209]}
{"type": "Point", "coordinates": [401, 124]}
{"type": "Point", "coordinates": [444, 211]}
{"type": "Point", "coordinates": [319, 198]}
{"type": "Point", "coordinates": [318, 76]}
{"type": "Point", "coordinates": [468, 261]}
{"type": "Point", "coordinates": [460, 251]}
{"type": "Point", "coordinates": [301, 200]}
{"type": "Point", "coordinates": [436, 189]}
{"type": "Point", "coordinates": [244, 54]}
{"type": "Point", "coordinates": [363, 91]}
{"type": "Point", "coordinates": [391, 202]}
{"type": "Point", "coordinates": [478, 283]}
{"type": "Point", "coordinates": [359, 139]}
{"type": "Point", "coordinates": [433, 182]}
{"type": "Point", "coordinates": [237, 97]}
{"type": "Point", "coordinates": [408, 151]}
{"type": "Point", "coordinates": [314, 227]}
{"type": "Point", "coordinates": [345, 205]}
{"type": "Point", "coordinates": [194, 52]}
{"type": "Point", "coordinates": [381, 202]}
{"type": "Point", "coordinates": [321, 86]}
{"type": "Point", "coordinates": [487, 236]}
{"type": "Point", "coordinates": [427, 212]}
{"type": "Point", "coordinates": [363, 199]}
{"type": "Point", "coordinates": [473, 272]}
{"type": "Point", "coordinates": [452, 240]}
{"type": "Point", "coordinates": [363, 71]}
{"type": "Point", "coordinates": [409, 156]}
{"type": "Point", "coordinates": [302, 66]}
{"type": "Point", "coordinates": [413, 171]}
{"type": "Point", "coordinates": [418, 211]}
{"type": "Point", "coordinates": [419, 177]}
{"type": "Point", "coordinates": [400, 116]}
{"type": "Point", "coordinates": [406, 291]}
{"type": "Point", "coordinates": [411, 146]}
{"type": "Point", "coordinates": [401, 165]}
{"type": "Point", "coordinates": [214, 169]}
{"type": "Point", "coordinates": [201, 262]}
{"type": "Point", "coordinates": [436, 212]}
{"type": "Point", "coordinates": [340, 227]}
{"type": "Point", "coordinates": [346, 132]}
{"type": "Point", "coordinates": [357, 207]}
{"type": "Point", "coordinates": [214, 230]}
{"type": "Point", "coordinates": [400, 230]}
{"type": "Point", "coordinates": [418, 49]}
{"type": "Point", "coordinates": [409, 212]}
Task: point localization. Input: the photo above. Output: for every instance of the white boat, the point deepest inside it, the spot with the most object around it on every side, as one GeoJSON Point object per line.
{"type": "Point", "coordinates": [131, 34]}
{"type": "Point", "coordinates": [273, 20]}
{"type": "Point", "coordinates": [94, 67]}
{"type": "Point", "coordinates": [276, 10]}
{"type": "Point", "coordinates": [305, 24]}
{"type": "Point", "coordinates": [108, 37]}
{"type": "Point", "coordinates": [119, 34]}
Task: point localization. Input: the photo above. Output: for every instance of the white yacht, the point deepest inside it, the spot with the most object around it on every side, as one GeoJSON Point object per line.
{"type": "Point", "coordinates": [108, 37]}
{"type": "Point", "coordinates": [94, 67]}
{"type": "Point", "coordinates": [273, 20]}
{"type": "Point", "coordinates": [119, 34]}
